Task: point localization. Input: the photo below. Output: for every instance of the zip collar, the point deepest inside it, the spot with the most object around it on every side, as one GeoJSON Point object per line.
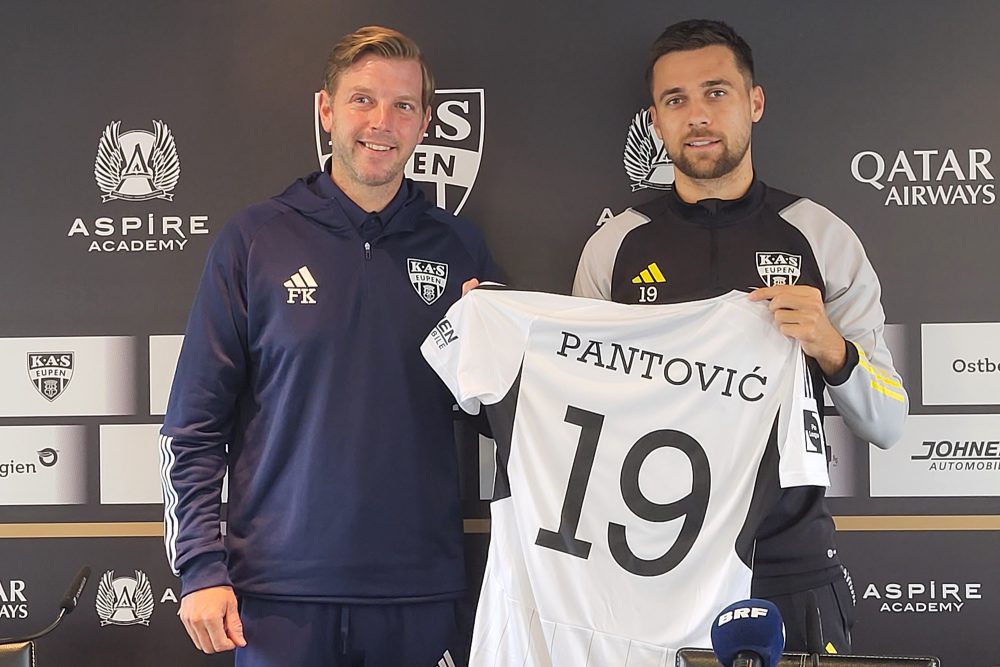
{"type": "Point", "coordinates": [318, 198]}
{"type": "Point", "coordinates": [718, 212]}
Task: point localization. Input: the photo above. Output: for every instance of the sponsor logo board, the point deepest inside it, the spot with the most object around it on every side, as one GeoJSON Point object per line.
{"type": "Point", "coordinates": [960, 363]}
{"type": "Point", "coordinates": [130, 465]}
{"type": "Point", "coordinates": [43, 465]}
{"type": "Point", "coordinates": [940, 455]}
{"type": "Point", "coordinates": [163, 354]}
{"type": "Point", "coordinates": [67, 376]}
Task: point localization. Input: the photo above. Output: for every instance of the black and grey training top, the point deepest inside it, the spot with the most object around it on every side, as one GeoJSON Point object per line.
{"type": "Point", "coordinates": [668, 251]}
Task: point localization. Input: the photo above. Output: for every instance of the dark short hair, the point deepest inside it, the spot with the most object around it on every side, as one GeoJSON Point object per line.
{"type": "Point", "coordinates": [696, 34]}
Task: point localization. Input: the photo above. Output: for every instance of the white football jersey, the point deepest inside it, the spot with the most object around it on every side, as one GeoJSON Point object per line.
{"type": "Point", "coordinates": [639, 447]}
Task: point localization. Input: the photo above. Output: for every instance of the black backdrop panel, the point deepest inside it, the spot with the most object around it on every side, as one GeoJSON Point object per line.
{"type": "Point", "coordinates": [885, 112]}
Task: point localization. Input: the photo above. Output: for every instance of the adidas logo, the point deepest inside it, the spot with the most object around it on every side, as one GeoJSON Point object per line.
{"type": "Point", "coordinates": [301, 286]}
{"type": "Point", "coordinates": [446, 660]}
{"type": "Point", "coordinates": [650, 274]}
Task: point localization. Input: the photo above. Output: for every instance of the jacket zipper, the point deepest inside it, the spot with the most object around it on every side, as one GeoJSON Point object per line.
{"type": "Point", "coordinates": [368, 250]}
{"type": "Point", "coordinates": [713, 257]}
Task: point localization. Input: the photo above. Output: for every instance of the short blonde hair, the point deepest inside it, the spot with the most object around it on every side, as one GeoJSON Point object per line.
{"type": "Point", "coordinates": [385, 42]}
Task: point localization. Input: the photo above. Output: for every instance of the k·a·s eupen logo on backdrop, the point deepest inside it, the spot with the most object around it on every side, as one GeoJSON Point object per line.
{"type": "Point", "coordinates": [136, 171]}
{"type": "Point", "coordinates": [124, 600]}
{"type": "Point", "coordinates": [50, 372]}
{"type": "Point", "coordinates": [927, 176]}
{"type": "Point", "coordinates": [428, 278]}
{"type": "Point", "coordinates": [646, 161]}
{"type": "Point", "coordinates": [137, 164]}
{"type": "Point", "coordinates": [449, 156]}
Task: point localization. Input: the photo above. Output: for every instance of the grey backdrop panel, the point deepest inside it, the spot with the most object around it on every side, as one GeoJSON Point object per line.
{"type": "Point", "coordinates": [562, 80]}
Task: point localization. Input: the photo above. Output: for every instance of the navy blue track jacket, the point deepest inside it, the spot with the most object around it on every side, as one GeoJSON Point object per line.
{"type": "Point", "coordinates": [301, 375]}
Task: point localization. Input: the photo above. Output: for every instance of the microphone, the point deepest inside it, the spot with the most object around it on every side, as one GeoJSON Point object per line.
{"type": "Point", "coordinates": [814, 628]}
{"type": "Point", "coordinates": [748, 633]}
{"type": "Point", "coordinates": [72, 596]}
{"type": "Point", "coordinates": [68, 604]}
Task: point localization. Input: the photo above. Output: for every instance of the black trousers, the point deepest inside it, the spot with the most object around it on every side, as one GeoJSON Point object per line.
{"type": "Point", "coordinates": [836, 608]}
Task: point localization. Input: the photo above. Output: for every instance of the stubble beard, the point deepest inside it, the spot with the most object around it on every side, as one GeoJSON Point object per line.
{"type": "Point", "coordinates": [349, 164]}
{"type": "Point", "coordinates": [709, 170]}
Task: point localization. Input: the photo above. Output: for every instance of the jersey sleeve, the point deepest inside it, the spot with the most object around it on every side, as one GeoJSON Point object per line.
{"type": "Point", "coordinates": [595, 270]}
{"type": "Point", "coordinates": [211, 372]}
{"type": "Point", "coordinates": [477, 348]}
{"type": "Point", "coordinates": [801, 441]}
{"type": "Point", "coordinates": [868, 392]}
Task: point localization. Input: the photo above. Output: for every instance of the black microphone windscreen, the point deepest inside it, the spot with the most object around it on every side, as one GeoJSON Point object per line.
{"type": "Point", "coordinates": [72, 596]}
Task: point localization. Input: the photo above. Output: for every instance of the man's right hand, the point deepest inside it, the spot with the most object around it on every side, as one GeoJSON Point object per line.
{"type": "Point", "coordinates": [212, 619]}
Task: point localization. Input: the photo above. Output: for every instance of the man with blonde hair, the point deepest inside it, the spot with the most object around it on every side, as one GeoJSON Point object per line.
{"type": "Point", "coordinates": [301, 377]}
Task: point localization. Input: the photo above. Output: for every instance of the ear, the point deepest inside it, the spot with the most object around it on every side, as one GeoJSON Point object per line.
{"type": "Point", "coordinates": [427, 121]}
{"type": "Point", "coordinates": [652, 119]}
{"type": "Point", "coordinates": [756, 103]}
{"type": "Point", "coordinates": [324, 110]}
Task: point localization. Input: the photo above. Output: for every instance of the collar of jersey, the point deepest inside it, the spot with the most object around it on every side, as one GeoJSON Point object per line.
{"type": "Point", "coordinates": [716, 212]}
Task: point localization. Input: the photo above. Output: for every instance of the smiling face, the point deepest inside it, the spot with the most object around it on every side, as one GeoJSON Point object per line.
{"type": "Point", "coordinates": [375, 119]}
{"type": "Point", "coordinates": [703, 110]}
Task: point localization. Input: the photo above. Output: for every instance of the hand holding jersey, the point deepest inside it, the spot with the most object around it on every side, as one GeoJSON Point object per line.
{"type": "Point", "coordinates": [469, 285]}
{"type": "Point", "coordinates": [800, 313]}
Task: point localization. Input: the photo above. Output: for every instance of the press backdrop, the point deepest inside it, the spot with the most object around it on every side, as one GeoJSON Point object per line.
{"type": "Point", "coordinates": [885, 112]}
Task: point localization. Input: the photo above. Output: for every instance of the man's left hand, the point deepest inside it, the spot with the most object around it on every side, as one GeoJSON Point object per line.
{"type": "Point", "coordinates": [800, 313]}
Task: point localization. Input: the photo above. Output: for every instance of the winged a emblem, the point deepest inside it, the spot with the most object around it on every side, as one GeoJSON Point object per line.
{"type": "Point", "coordinates": [166, 166]}
{"type": "Point", "coordinates": [110, 161]}
{"type": "Point", "coordinates": [124, 600]}
{"type": "Point", "coordinates": [143, 598]}
{"type": "Point", "coordinates": [106, 597]}
{"type": "Point", "coordinates": [646, 161]}
{"type": "Point", "coordinates": [137, 165]}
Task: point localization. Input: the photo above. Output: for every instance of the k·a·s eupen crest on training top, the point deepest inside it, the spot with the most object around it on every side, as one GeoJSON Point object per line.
{"type": "Point", "coordinates": [428, 278]}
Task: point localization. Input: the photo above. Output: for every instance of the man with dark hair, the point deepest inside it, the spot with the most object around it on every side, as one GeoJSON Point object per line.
{"type": "Point", "coordinates": [720, 229]}
{"type": "Point", "coordinates": [301, 376]}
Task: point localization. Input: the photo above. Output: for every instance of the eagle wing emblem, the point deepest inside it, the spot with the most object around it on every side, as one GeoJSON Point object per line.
{"type": "Point", "coordinates": [143, 597]}
{"type": "Point", "coordinates": [163, 161]}
{"type": "Point", "coordinates": [106, 597]}
{"type": "Point", "coordinates": [639, 147]}
{"type": "Point", "coordinates": [110, 159]}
